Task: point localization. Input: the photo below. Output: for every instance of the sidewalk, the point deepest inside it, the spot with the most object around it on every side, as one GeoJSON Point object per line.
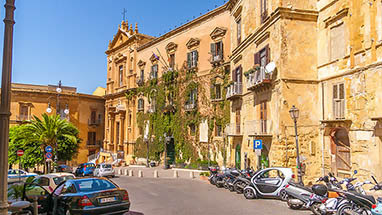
{"type": "Point", "coordinates": [162, 173]}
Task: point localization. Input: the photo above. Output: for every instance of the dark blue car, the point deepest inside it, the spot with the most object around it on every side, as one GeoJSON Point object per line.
{"type": "Point", "coordinates": [85, 169]}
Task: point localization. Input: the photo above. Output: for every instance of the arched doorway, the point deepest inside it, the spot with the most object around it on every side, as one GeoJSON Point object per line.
{"type": "Point", "coordinates": [340, 147]}
{"type": "Point", "coordinates": [238, 156]}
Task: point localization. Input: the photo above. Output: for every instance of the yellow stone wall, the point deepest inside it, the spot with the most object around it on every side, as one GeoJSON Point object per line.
{"type": "Point", "coordinates": [38, 97]}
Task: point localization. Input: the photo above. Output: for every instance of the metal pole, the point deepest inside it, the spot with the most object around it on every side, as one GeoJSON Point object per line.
{"type": "Point", "coordinates": [5, 103]}
{"type": "Point", "coordinates": [19, 169]}
{"type": "Point", "coordinates": [165, 152]}
{"type": "Point", "coordinates": [147, 155]}
{"type": "Point", "coordinates": [298, 155]}
{"type": "Point", "coordinates": [209, 160]}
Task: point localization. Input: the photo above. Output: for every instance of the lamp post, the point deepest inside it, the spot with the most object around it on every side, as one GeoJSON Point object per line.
{"type": "Point", "coordinates": [58, 110]}
{"type": "Point", "coordinates": [294, 114]}
{"type": "Point", "coordinates": [5, 103]}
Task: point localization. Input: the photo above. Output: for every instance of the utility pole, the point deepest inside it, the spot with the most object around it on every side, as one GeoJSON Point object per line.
{"type": "Point", "coordinates": [5, 103]}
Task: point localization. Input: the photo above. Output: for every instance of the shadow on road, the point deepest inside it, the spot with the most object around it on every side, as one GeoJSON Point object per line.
{"type": "Point", "coordinates": [134, 213]}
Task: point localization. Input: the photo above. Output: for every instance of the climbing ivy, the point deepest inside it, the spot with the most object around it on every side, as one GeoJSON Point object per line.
{"type": "Point", "coordinates": [171, 92]}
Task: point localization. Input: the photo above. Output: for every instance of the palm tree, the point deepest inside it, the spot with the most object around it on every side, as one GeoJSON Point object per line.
{"type": "Point", "coordinates": [53, 131]}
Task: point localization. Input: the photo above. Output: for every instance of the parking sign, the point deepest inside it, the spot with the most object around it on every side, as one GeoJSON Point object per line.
{"type": "Point", "coordinates": [257, 144]}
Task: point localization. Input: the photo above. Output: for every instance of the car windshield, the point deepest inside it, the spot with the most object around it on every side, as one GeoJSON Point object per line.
{"type": "Point", "coordinates": [93, 185]}
{"type": "Point", "coordinates": [58, 180]}
{"type": "Point", "coordinates": [106, 166]}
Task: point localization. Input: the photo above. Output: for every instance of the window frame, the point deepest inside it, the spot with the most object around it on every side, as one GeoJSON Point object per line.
{"type": "Point", "coordinates": [338, 102]}
{"type": "Point", "coordinates": [120, 76]}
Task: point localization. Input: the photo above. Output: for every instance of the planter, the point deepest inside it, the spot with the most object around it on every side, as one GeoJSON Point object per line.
{"type": "Point", "coordinates": [203, 177]}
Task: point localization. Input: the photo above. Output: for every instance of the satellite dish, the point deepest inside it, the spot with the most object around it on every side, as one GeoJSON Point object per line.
{"type": "Point", "coordinates": [270, 67]}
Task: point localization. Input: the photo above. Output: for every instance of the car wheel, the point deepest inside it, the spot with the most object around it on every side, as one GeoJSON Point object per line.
{"type": "Point", "coordinates": [283, 195]}
{"type": "Point", "coordinates": [249, 194]}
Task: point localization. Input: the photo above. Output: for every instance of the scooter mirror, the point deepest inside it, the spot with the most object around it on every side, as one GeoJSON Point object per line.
{"type": "Point", "coordinates": [355, 172]}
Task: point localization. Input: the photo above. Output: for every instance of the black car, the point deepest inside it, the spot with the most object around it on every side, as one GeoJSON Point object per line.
{"type": "Point", "coordinates": [85, 196]}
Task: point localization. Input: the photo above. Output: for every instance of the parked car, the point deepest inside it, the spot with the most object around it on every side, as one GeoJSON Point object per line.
{"type": "Point", "coordinates": [64, 168]}
{"type": "Point", "coordinates": [50, 181]}
{"type": "Point", "coordinates": [85, 169]}
{"type": "Point", "coordinates": [104, 170]}
{"type": "Point", "coordinates": [80, 196]}
{"type": "Point", "coordinates": [268, 183]}
{"type": "Point", "coordinates": [15, 175]}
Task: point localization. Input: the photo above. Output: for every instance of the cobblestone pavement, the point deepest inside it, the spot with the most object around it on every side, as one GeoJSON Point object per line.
{"type": "Point", "coordinates": [164, 196]}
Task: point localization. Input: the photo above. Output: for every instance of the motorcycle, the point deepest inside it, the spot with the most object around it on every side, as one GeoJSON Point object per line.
{"type": "Point", "coordinates": [243, 180]}
{"type": "Point", "coordinates": [321, 203]}
{"type": "Point", "coordinates": [359, 203]}
{"type": "Point", "coordinates": [213, 175]}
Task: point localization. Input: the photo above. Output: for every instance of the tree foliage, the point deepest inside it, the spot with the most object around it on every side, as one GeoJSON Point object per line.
{"type": "Point", "coordinates": [35, 136]}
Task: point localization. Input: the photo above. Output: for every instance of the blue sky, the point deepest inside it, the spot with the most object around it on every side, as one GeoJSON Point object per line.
{"type": "Point", "coordinates": [67, 39]}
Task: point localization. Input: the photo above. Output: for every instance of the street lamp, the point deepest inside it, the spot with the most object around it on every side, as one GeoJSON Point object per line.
{"type": "Point", "coordinates": [5, 103]}
{"type": "Point", "coordinates": [294, 114]}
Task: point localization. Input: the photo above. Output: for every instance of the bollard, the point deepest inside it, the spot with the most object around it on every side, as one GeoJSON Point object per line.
{"type": "Point", "coordinates": [131, 173]}
{"type": "Point", "coordinates": [35, 206]}
{"type": "Point", "coordinates": [119, 171]}
{"type": "Point", "coordinates": [140, 174]}
{"type": "Point", "coordinates": [191, 174]}
{"type": "Point", "coordinates": [156, 174]}
{"type": "Point", "coordinates": [175, 174]}
{"type": "Point", "coordinates": [126, 172]}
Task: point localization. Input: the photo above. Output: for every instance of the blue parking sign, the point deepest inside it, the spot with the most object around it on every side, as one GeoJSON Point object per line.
{"type": "Point", "coordinates": [257, 144]}
{"type": "Point", "coordinates": [48, 149]}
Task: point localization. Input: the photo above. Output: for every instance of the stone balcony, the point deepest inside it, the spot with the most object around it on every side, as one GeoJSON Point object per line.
{"type": "Point", "coordinates": [234, 129]}
{"type": "Point", "coordinates": [93, 144]}
{"type": "Point", "coordinates": [258, 79]}
{"type": "Point", "coordinates": [234, 90]}
{"type": "Point", "coordinates": [261, 128]}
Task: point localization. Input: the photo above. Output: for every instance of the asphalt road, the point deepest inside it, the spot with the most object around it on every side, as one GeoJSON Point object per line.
{"type": "Point", "coordinates": [153, 196]}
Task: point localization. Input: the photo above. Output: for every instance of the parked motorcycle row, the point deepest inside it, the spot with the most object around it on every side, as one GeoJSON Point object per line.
{"type": "Point", "coordinates": [328, 197]}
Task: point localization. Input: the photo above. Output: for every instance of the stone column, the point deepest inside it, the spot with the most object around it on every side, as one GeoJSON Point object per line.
{"type": "Point", "coordinates": [111, 132]}
{"type": "Point", "coordinates": [5, 103]}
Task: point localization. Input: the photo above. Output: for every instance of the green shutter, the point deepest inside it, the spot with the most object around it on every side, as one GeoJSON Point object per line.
{"type": "Point", "coordinates": [189, 59]}
{"type": "Point", "coordinates": [213, 49]}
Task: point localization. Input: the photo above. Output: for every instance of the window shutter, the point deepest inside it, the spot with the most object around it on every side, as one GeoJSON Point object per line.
{"type": "Point", "coordinates": [213, 49]}
{"type": "Point", "coordinates": [212, 90]}
{"type": "Point", "coordinates": [196, 58]}
{"type": "Point", "coordinates": [234, 75]}
{"type": "Point", "coordinates": [341, 94]}
{"type": "Point", "coordinates": [239, 74]}
{"type": "Point", "coordinates": [189, 59]}
{"type": "Point", "coordinates": [257, 58]}
{"type": "Point", "coordinates": [335, 91]}
{"type": "Point", "coordinates": [221, 49]}
{"type": "Point", "coordinates": [268, 54]}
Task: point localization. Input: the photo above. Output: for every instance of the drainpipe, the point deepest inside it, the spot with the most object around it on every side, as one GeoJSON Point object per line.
{"type": "Point", "coordinates": [323, 131]}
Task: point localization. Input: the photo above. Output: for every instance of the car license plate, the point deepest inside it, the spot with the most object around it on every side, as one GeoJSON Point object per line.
{"type": "Point", "coordinates": [106, 200]}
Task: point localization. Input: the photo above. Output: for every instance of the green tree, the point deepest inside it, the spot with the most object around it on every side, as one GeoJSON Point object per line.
{"type": "Point", "coordinates": [35, 136]}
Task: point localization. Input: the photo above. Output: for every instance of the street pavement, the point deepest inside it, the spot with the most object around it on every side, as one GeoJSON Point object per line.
{"type": "Point", "coordinates": [164, 196]}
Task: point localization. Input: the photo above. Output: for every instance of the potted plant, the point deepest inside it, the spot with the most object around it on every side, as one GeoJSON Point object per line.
{"type": "Point", "coordinates": [204, 176]}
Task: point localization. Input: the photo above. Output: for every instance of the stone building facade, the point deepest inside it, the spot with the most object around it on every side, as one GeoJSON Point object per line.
{"type": "Point", "coordinates": [327, 63]}
{"type": "Point", "coordinates": [198, 53]}
{"type": "Point", "coordinates": [86, 112]}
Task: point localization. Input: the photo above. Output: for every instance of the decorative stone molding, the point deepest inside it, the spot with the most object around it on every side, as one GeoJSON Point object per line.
{"type": "Point", "coordinates": [262, 38]}
{"type": "Point", "coordinates": [171, 47]}
{"type": "Point", "coordinates": [193, 42]}
{"type": "Point", "coordinates": [120, 57]}
{"type": "Point", "coordinates": [339, 15]}
{"type": "Point", "coordinates": [218, 32]}
{"type": "Point", "coordinates": [153, 58]}
{"type": "Point", "coordinates": [141, 63]}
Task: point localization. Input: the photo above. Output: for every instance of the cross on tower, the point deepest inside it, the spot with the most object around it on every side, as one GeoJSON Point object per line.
{"type": "Point", "coordinates": [124, 13]}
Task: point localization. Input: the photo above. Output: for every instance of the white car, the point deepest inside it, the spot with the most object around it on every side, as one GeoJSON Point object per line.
{"type": "Point", "coordinates": [104, 170]}
{"type": "Point", "coordinates": [51, 181]}
{"type": "Point", "coordinates": [15, 175]}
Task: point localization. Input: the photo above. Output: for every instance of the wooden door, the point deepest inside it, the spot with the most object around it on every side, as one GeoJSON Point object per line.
{"type": "Point", "coordinates": [342, 150]}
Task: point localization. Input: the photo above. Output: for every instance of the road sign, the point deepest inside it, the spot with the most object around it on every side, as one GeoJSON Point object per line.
{"type": "Point", "coordinates": [48, 149]}
{"type": "Point", "coordinates": [258, 152]}
{"type": "Point", "coordinates": [257, 144]}
{"type": "Point", "coordinates": [20, 152]}
{"type": "Point", "coordinates": [48, 155]}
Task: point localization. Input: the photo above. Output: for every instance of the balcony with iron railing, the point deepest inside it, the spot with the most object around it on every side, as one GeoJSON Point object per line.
{"type": "Point", "coordinates": [140, 81]}
{"type": "Point", "coordinates": [216, 59]}
{"type": "Point", "coordinates": [94, 122]}
{"type": "Point", "coordinates": [258, 78]}
{"type": "Point", "coordinates": [22, 118]}
{"type": "Point", "coordinates": [190, 106]}
{"type": "Point", "coordinates": [258, 127]}
{"type": "Point", "coordinates": [234, 90]}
